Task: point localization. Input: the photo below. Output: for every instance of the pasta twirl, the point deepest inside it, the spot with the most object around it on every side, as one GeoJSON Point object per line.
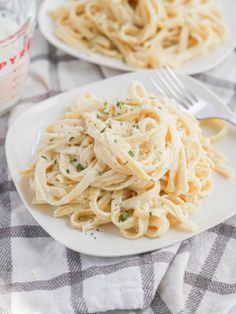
{"type": "Point", "coordinates": [140, 163]}
{"type": "Point", "coordinates": [145, 33]}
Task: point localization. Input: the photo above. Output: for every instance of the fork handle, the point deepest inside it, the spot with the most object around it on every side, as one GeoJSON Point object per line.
{"type": "Point", "coordinates": [201, 110]}
{"type": "Point", "coordinates": [231, 120]}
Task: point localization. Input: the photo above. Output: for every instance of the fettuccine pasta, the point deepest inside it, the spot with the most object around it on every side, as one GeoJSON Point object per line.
{"type": "Point", "coordinates": [143, 33]}
{"type": "Point", "coordinates": [140, 163]}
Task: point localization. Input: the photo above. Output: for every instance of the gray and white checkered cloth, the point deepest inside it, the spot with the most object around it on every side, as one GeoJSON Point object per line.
{"type": "Point", "coordinates": [39, 275]}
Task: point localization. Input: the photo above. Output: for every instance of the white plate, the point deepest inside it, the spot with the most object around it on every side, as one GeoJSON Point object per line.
{"type": "Point", "coordinates": [198, 65]}
{"type": "Point", "coordinates": [24, 135]}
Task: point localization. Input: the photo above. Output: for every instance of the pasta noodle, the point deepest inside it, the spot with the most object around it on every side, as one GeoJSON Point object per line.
{"type": "Point", "coordinates": [140, 163]}
{"type": "Point", "coordinates": [144, 33]}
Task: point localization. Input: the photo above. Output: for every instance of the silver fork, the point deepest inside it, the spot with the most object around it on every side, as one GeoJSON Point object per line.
{"type": "Point", "coordinates": [191, 102]}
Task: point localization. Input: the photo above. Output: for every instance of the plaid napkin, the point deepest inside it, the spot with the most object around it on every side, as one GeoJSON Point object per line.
{"type": "Point", "coordinates": [39, 275]}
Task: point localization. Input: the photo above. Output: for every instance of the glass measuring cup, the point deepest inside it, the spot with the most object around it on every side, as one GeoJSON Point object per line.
{"type": "Point", "coordinates": [17, 21]}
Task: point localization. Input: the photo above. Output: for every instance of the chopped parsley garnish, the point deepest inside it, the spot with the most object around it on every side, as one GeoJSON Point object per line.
{"type": "Point", "coordinates": [67, 171]}
{"type": "Point", "coordinates": [109, 125]}
{"type": "Point", "coordinates": [125, 163]}
{"type": "Point", "coordinates": [131, 153]}
{"type": "Point", "coordinates": [105, 103]}
{"type": "Point", "coordinates": [119, 103]}
{"type": "Point", "coordinates": [51, 139]}
{"type": "Point", "coordinates": [105, 112]}
{"type": "Point", "coordinates": [71, 138]}
{"type": "Point", "coordinates": [98, 117]}
{"type": "Point", "coordinates": [115, 141]}
{"type": "Point", "coordinates": [150, 214]}
{"type": "Point", "coordinates": [55, 161]}
{"type": "Point", "coordinates": [73, 160]}
{"type": "Point", "coordinates": [153, 181]}
{"type": "Point", "coordinates": [80, 167]}
{"type": "Point", "coordinates": [100, 173]}
{"type": "Point", "coordinates": [124, 216]}
{"type": "Point", "coordinates": [103, 130]}
{"type": "Point", "coordinates": [44, 157]}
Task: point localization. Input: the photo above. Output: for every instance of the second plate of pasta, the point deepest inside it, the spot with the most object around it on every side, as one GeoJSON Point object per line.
{"type": "Point", "coordinates": [108, 166]}
{"type": "Point", "coordinates": [193, 36]}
